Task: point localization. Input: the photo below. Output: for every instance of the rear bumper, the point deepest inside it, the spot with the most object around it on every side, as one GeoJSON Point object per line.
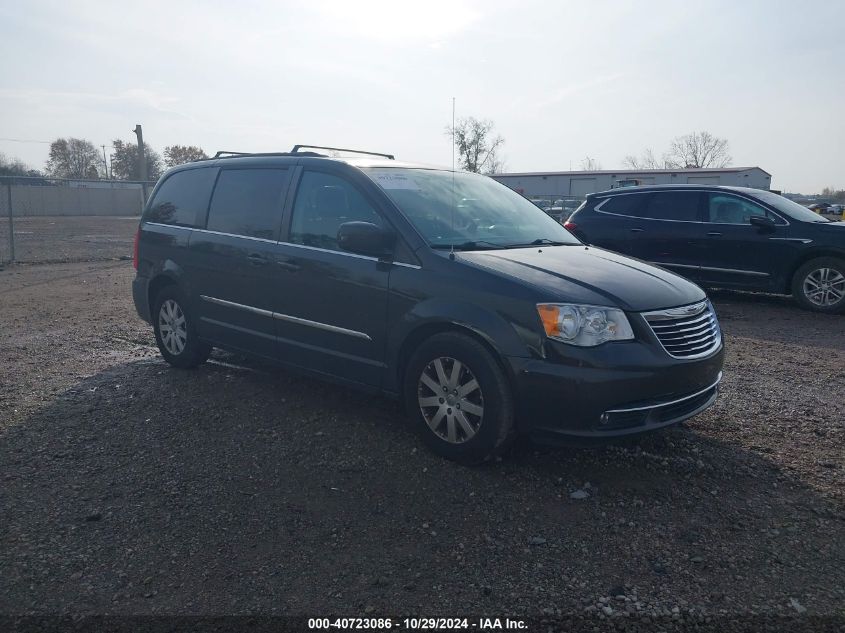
{"type": "Point", "coordinates": [647, 390]}
{"type": "Point", "coordinates": [140, 294]}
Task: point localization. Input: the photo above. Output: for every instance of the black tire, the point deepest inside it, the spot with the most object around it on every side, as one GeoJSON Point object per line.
{"type": "Point", "coordinates": [193, 351]}
{"type": "Point", "coordinates": [493, 429]}
{"type": "Point", "coordinates": [802, 275]}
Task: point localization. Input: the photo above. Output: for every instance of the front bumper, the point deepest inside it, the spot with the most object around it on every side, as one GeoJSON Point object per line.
{"type": "Point", "coordinates": [623, 389]}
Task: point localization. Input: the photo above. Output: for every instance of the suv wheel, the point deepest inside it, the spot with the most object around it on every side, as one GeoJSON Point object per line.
{"type": "Point", "coordinates": [819, 285]}
{"type": "Point", "coordinates": [458, 399]}
{"type": "Point", "coordinates": [175, 331]}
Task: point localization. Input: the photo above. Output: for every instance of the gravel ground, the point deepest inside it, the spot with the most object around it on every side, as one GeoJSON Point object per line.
{"type": "Point", "coordinates": [132, 488]}
{"type": "Point", "coordinates": [68, 239]}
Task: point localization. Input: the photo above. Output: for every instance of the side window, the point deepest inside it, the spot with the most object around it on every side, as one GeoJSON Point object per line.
{"type": "Point", "coordinates": [624, 204]}
{"type": "Point", "coordinates": [248, 202]}
{"type": "Point", "coordinates": [727, 209]}
{"type": "Point", "coordinates": [323, 203]}
{"type": "Point", "coordinates": [673, 205]}
{"type": "Point", "coordinates": [183, 198]}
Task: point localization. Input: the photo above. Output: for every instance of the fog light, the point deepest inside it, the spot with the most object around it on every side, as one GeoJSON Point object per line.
{"type": "Point", "coordinates": [604, 419]}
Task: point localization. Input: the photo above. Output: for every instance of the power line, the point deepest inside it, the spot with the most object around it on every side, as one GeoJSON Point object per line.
{"type": "Point", "coordinates": [23, 140]}
{"type": "Point", "coordinates": [26, 140]}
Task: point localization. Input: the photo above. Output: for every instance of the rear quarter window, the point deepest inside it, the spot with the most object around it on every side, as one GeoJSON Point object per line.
{"type": "Point", "coordinates": [182, 199]}
{"type": "Point", "coordinates": [623, 204]}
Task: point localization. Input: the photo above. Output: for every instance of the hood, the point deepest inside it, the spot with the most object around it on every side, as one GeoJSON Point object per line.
{"type": "Point", "coordinates": [835, 226]}
{"type": "Point", "coordinates": [589, 275]}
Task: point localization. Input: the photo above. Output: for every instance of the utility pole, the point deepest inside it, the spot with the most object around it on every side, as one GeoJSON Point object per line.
{"type": "Point", "coordinates": [142, 155]}
{"type": "Point", "coordinates": [105, 162]}
{"type": "Point", "coordinates": [11, 227]}
{"type": "Point", "coordinates": [142, 160]}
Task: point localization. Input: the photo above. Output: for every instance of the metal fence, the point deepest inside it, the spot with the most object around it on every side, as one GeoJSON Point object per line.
{"type": "Point", "coordinates": [63, 220]}
{"type": "Point", "coordinates": [560, 207]}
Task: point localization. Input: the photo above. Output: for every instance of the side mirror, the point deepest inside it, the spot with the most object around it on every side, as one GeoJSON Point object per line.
{"type": "Point", "coordinates": [766, 225]}
{"type": "Point", "coordinates": [365, 238]}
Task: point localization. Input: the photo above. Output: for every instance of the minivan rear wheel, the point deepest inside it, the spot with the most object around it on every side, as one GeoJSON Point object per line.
{"type": "Point", "coordinates": [819, 285]}
{"type": "Point", "coordinates": [175, 330]}
{"type": "Point", "coordinates": [459, 399]}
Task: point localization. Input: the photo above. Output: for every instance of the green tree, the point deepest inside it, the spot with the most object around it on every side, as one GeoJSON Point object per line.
{"type": "Point", "coordinates": [478, 145]}
{"type": "Point", "coordinates": [74, 158]}
{"type": "Point", "coordinates": [125, 165]}
{"type": "Point", "coordinates": [16, 167]}
{"type": "Point", "coordinates": [181, 154]}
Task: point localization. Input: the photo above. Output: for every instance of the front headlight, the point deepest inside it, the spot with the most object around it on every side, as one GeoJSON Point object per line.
{"type": "Point", "coordinates": [584, 326]}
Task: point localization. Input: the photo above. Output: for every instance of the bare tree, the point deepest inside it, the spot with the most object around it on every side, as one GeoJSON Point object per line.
{"type": "Point", "coordinates": [73, 158]}
{"type": "Point", "coordinates": [647, 161]}
{"type": "Point", "coordinates": [590, 164]}
{"type": "Point", "coordinates": [699, 149]}
{"type": "Point", "coordinates": [497, 165]}
{"type": "Point", "coordinates": [478, 146]}
{"type": "Point", "coordinates": [181, 154]}
{"type": "Point", "coordinates": [124, 162]}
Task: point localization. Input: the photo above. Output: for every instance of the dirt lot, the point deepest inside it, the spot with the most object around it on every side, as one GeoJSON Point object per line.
{"type": "Point", "coordinates": [68, 239]}
{"type": "Point", "coordinates": [132, 488]}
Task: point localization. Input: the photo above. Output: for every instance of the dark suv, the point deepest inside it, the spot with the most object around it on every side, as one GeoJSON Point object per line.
{"type": "Point", "coordinates": [727, 237]}
{"type": "Point", "coordinates": [445, 289]}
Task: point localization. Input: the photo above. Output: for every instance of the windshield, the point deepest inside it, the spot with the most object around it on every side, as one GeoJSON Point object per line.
{"type": "Point", "coordinates": [789, 207]}
{"type": "Point", "coordinates": [469, 212]}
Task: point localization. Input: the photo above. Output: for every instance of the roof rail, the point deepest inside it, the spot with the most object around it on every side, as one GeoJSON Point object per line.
{"type": "Point", "coordinates": [221, 154]}
{"type": "Point", "coordinates": [296, 148]}
{"type": "Point", "coordinates": [250, 154]}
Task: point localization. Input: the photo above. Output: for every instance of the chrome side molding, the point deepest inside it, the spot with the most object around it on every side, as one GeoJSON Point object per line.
{"type": "Point", "coordinates": [286, 317]}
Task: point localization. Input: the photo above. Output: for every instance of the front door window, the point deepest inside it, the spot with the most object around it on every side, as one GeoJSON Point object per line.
{"type": "Point", "coordinates": [323, 203]}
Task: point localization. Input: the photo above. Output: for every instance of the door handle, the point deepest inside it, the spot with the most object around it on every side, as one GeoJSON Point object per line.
{"type": "Point", "coordinates": [637, 230]}
{"type": "Point", "coordinates": [714, 234]}
{"type": "Point", "coordinates": [257, 259]}
{"type": "Point", "coordinates": [288, 266]}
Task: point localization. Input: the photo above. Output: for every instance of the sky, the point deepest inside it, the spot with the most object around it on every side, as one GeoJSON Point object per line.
{"type": "Point", "coordinates": [561, 80]}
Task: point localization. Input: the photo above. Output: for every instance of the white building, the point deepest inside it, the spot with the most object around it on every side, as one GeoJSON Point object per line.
{"type": "Point", "coordinates": [577, 184]}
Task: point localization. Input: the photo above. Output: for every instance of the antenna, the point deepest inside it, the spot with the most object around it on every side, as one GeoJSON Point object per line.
{"type": "Point", "coordinates": [452, 223]}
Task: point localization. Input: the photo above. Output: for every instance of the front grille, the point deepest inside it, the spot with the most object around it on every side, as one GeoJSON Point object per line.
{"type": "Point", "coordinates": [686, 332]}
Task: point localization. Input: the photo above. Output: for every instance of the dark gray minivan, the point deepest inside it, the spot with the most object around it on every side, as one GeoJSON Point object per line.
{"type": "Point", "coordinates": [445, 289]}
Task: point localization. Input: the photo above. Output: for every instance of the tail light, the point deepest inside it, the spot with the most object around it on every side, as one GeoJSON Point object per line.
{"type": "Point", "coordinates": [135, 249]}
{"type": "Point", "coordinates": [570, 226]}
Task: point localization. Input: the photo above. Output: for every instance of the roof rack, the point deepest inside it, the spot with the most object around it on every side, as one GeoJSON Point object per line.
{"type": "Point", "coordinates": [223, 154]}
{"type": "Point", "coordinates": [296, 148]}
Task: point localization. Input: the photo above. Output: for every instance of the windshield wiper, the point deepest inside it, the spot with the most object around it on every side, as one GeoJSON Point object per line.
{"type": "Point", "coordinates": [469, 246]}
{"type": "Point", "coordinates": [542, 241]}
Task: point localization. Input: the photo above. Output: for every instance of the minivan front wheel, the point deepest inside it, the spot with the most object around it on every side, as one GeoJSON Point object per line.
{"type": "Point", "coordinates": [459, 399]}
{"type": "Point", "coordinates": [819, 285]}
{"type": "Point", "coordinates": [175, 331]}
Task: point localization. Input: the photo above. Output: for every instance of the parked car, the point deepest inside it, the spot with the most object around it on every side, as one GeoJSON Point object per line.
{"type": "Point", "coordinates": [819, 207]}
{"type": "Point", "coordinates": [446, 290]}
{"type": "Point", "coordinates": [562, 209]}
{"type": "Point", "coordinates": [545, 205]}
{"type": "Point", "coordinates": [835, 211]}
{"type": "Point", "coordinates": [731, 237]}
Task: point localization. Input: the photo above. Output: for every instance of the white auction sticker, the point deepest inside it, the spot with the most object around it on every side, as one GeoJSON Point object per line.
{"type": "Point", "coordinates": [390, 180]}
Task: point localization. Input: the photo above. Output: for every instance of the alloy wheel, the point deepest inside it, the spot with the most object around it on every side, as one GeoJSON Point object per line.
{"type": "Point", "coordinates": [173, 327]}
{"type": "Point", "coordinates": [824, 286]}
{"type": "Point", "coordinates": [450, 400]}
